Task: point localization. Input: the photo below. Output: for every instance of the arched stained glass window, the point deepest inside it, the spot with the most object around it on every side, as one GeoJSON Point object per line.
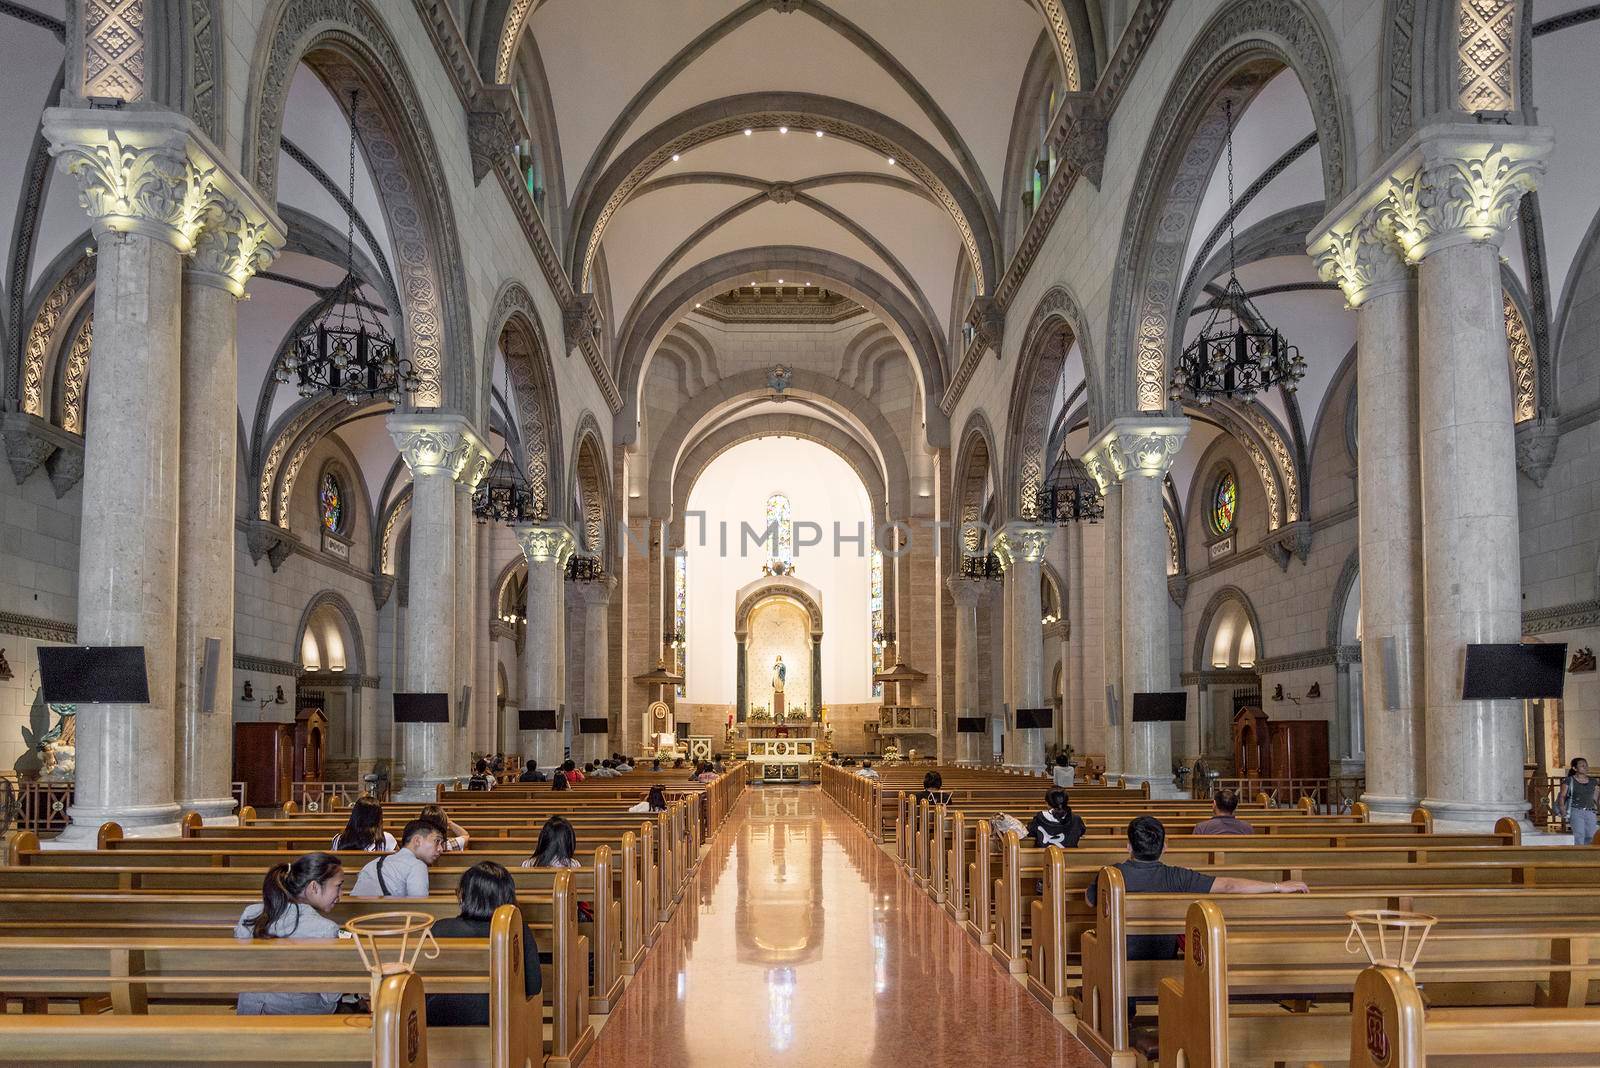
{"type": "Point", "coordinates": [1224, 503]}
{"type": "Point", "coordinates": [875, 611]}
{"type": "Point", "coordinates": [779, 533]}
{"type": "Point", "coordinates": [330, 502]}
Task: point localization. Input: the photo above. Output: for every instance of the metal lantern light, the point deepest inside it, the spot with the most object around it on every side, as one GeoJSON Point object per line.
{"type": "Point", "coordinates": [504, 495]}
{"type": "Point", "coordinates": [1069, 495]}
{"type": "Point", "coordinates": [585, 569]}
{"type": "Point", "coordinates": [1237, 354]}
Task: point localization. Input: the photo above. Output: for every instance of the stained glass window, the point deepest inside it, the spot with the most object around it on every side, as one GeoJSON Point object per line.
{"type": "Point", "coordinates": [680, 618]}
{"type": "Point", "coordinates": [875, 610]}
{"type": "Point", "coordinates": [780, 550]}
{"type": "Point", "coordinates": [1224, 503]}
{"type": "Point", "coordinates": [330, 498]}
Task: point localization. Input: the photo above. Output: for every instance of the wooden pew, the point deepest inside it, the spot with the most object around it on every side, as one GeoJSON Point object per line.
{"type": "Point", "coordinates": [395, 1036]}
{"type": "Point", "coordinates": [1391, 1028]}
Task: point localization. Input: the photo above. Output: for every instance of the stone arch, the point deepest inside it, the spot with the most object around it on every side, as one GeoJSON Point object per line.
{"type": "Point", "coordinates": [596, 203]}
{"type": "Point", "coordinates": [349, 47]}
{"type": "Point", "coordinates": [666, 451]}
{"type": "Point", "coordinates": [589, 483]}
{"type": "Point", "coordinates": [643, 332]}
{"type": "Point", "coordinates": [1243, 45]}
{"type": "Point", "coordinates": [515, 329]}
{"type": "Point", "coordinates": [515, 567]}
{"type": "Point", "coordinates": [768, 590]}
{"type": "Point", "coordinates": [1202, 642]}
{"type": "Point", "coordinates": [386, 535]}
{"type": "Point", "coordinates": [71, 391]}
{"type": "Point", "coordinates": [974, 471]}
{"type": "Point", "coordinates": [1057, 323]}
{"type": "Point", "coordinates": [1349, 580]}
{"type": "Point", "coordinates": [357, 663]}
{"type": "Point", "coordinates": [730, 435]}
{"type": "Point", "coordinates": [65, 290]}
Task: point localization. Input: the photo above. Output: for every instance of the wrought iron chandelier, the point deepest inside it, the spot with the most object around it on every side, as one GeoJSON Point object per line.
{"type": "Point", "coordinates": [982, 566]}
{"type": "Point", "coordinates": [346, 351]}
{"type": "Point", "coordinates": [1069, 495]}
{"type": "Point", "coordinates": [1238, 353]}
{"type": "Point", "coordinates": [504, 495]}
{"type": "Point", "coordinates": [585, 569]}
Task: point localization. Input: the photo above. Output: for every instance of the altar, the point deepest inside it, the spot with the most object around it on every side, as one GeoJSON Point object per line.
{"type": "Point", "coordinates": [784, 759]}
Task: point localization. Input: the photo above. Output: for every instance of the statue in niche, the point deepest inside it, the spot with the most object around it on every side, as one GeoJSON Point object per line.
{"type": "Point", "coordinates": [779, 673]}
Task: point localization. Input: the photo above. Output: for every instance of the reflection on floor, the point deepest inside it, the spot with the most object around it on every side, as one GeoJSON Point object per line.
{"type": "Point", "coordinates": [808, 947]}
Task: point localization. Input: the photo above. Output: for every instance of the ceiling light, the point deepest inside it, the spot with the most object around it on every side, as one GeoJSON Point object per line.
{"type": "Point", "coordinates": [697, 304]}
{"type": "Point", "coordinates": [891, 161]}
{"type": "Point", "coordinates": [780, 281]}
{"type": "Point", "coordinates": [748, 131]}
{"type": "Point", "coordinates": [783, 129]}
{"type": "Point", "coordinates": [819, 133]}
{"type": "Point", "coordinates": [674, 157]}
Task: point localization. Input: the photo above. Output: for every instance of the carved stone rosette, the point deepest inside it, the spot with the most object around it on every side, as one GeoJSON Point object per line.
{"type": "Point", "coordinates": [155, 173]}
{"type": "Point", "coordinates": [546, 543]}
{"type": "Point", "coordinates": [1133, 447]}
{"type": "Point", "coordinates": [439, 445]}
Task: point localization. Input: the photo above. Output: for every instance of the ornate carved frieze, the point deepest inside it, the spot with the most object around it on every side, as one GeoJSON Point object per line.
{"type": "Point", "coordinates": [546, 543]}
{"type": "Point", "coordinates": [1537, 440]}
{"type": "Point", "coordinates": [75, 376]}
{"type": "Point", "coordinates": [1561, 617]}
{"type": "Point", "coordinates": [1524, 373]}
{"type": "Point", "coordinates": [42, 332]}
{"type": "Point", "coordinates": [114, 57]}
{"type": "Point", "coordinates": [1486, 54]}
{"type": "Point", "coordinates": [387, 543]}
{"type": "Point", "coordinates": [38, 628]}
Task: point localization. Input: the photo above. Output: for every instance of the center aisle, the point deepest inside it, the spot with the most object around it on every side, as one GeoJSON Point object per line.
{"type": "Point", "coordinates": [808, 947]}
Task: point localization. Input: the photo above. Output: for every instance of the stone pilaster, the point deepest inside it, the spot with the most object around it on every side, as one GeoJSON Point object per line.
{"type": "Point", "coordinates": [440, 450]}
{"type": "Point", "coordinates": [154, 188]}
{"type": "Point", "coordinates": [595, 598]}
{"type": "Point", "coordinates": [968, 594]}
{"type": "Point", "coordinates": [486, 736]}
{"type": "Point", "coordinates": [1022, 548]}
{"type": "Point", "coordinates": [467, 627]}
{"type": "Point", "coordinates": [547, 547]}
{"type": "Point", "coordinates": [241, 235]}
{"type": "Point", "coordinates": [1136, 454]}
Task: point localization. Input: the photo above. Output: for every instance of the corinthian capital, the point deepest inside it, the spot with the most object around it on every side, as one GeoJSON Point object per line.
{"type": "Point", "coordinates": [546, 543]}
{"type": "Point", "coordinates": [1023, 542]}
{"type": "Point", "coordinates": [1361, 253]}
{"type": "Point", "coordinates": [153, 172]}
{"type": "Point", "coordinates": [1133, 447]}
{"type": "Point", "coordinates": [435, 444]}
{"type": "Point", "coordinates": [235, 242]}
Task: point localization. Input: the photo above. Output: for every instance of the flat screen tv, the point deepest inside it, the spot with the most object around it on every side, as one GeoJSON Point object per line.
{"type": "Point", "coordinates": [1029, 719]}
{"type": "Point", "coordinates": [1511, 672]}
{"type": "Point", "coordinates": [93, 675]}
{"type": "Point", "coordinates": [971, 724]}
{"type": "Point", "coordinates": [536, 719]}
{"type": "Point", "coordinates": [422, 708]}
{"type": "Point", "coordinates": [1160, 707]}
{"type": "Point", "coordinates": [593, 725]}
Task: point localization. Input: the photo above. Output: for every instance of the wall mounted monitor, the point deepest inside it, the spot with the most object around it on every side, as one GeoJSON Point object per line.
{"type": "Point", "coordinates": [536, 719]}
{"type": "Point", "coordinates": [683, 731]}
{"type": "Point", "coordinates": [1032, 719]}
{"type": "Point", "coordinates": [422, 708]}
{"type": "Point", "coordinates": [593, 725]}
{"type": "Point", "coordinates": [971, 724]}
{"type": "Point", "coordinates": [93, 675]}
{"type": "Point", "coordinates": [1160, 707]}
{"type": "Point", "coordinates": [1511, 672]}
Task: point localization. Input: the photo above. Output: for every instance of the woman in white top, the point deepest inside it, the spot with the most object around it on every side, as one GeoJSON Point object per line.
{"type": "Point", "coordinates": [295, 899]}
{"type": "Point", "coordinates": [455, 835]}
{"type": "Point", "coordinates": [1063, 773]}
{"type": "Point", "coordinates": [364, 831]}
{"type": "Point", "coordinates": [556, 846]}
{"type": "Point", "coordinates": [654, 801]}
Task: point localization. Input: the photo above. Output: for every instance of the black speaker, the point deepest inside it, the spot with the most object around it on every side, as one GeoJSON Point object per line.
{"type": "Point", "coordinates": [93, 675]}
{"type": "Point", "coordinates": [1390, 652]}
{"type": "Point", "coordinates": [209, 670]}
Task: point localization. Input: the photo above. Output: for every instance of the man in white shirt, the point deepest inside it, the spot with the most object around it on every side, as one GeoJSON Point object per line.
{"type": "Point", "coordinates": [403, 873]}
{"type": "Point", "coordinates": [868, 771]}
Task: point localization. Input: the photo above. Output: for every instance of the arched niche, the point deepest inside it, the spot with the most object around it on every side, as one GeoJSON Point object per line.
{"type": "Point", "coordinates": [775, 615]}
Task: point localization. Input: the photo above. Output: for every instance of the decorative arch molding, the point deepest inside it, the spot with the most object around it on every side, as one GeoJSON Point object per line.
{"type": "Point", "coordinates": [1525, 362]}
{"type": "Point", "coordinates": [66, 289]}
{"type": "Point", "coordinates": [1243, 45]}
{"type": "Point", "coordinates": [974, 468]}
{"type": "Point", "coordinates": [355, 665]}
{"type": "Point", "coordinates": [1349, 577]}
{"type": "Point", "coordinates": [348, 45]}
{"type": "Point", "coordinates": [1280, 501]}
{"type": "Point", "coordinates": [1056, 323]}
{"type": "Point", "coordinates": [775, 587]}
{"type": "Point", "coordinates": [329, 414]}
{"type": "Point", "coordinates": [1207, 615]}
{"type": "Point", "coordinates": [516, 566]}
{"type": "Point", "coordinates": [517, 331]}
{"type": "Point", "coordinates": [387, 534]}
{"type": "Point", "coordinates": [770, 425]}
{"type": "Point", "coordinates": [590, 482]}
{"type": "Point", "coordinates": [674, 441]}
{"type": "Point", "coordinates": [72, 373]}
{"type": "Point", "coordinates": [597, 200]}
{"type": "Point", "coordinates": [643, 332]}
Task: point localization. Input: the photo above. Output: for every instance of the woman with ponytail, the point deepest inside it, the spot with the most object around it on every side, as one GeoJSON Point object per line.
{"type": "Point", "coordinates": [295, 900]}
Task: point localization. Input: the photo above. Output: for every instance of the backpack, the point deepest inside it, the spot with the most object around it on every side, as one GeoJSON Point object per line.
{"type": "Point", "coordinates": [477, 782]}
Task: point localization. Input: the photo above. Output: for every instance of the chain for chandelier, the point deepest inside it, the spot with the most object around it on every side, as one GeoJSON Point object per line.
{"type": "Point", "coordinates": [1237, 354]}
{"type": "Point", "coordinates": [347, 352]}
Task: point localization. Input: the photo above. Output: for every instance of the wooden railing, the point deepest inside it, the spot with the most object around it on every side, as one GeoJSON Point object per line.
{"type": "Point", "coordinates": [41, 805]}
{"type": "Point", "coordinates": [330, 796]}
{"type": "Point", "coordinates": [1541, 792]}
{"type": "Point", "coordinates": [1330, 796]}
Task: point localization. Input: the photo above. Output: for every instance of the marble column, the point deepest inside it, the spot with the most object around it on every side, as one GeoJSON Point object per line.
{"type": "Point", "coordinates": [1111, 628]}
{"type": "Point", "coordinates": [467, 624]}
{"type": "Point", "coordinates": [485, 659]}
{"type": "Point", "coordinates": [439, 450]}
{"type": "Point", "coordinates": [1357, 248]}
{"type": "Point", "coordinates": [1076, 698]}
{"type": "Point", "coordinates": [240, 237]}
{"type": "Point", "coordinates": [547, 547]}
{"type": "Point", "coordinates": [149, 181]}
{"type": "Point", "coordinates": [1022, 548]}
{"type": "Point", "coordinates": [595, 599]}
{"type": "Point", "coordinates": [968, 594]}
{"type": "Point", "coordinates": [1138, 452]}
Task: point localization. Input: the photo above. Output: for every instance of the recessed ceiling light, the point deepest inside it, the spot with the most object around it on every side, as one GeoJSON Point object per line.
{"type": "Point", "coordinates": [780, 281]}
{"type": "Point", "coordinates": [891, 161]}
{"type": "Point", "coordinates": [697, 304]}
{"type": "Point", "coordinates": [819, 133]}
{"type": "Point", "coordinates": [748, 131]}
{"type": "Point", "coordinates": [808, 283]}
{"type": "Point", "coordinates": [783, 129]}
{"type": "Point", "coordinates": [674, 157]}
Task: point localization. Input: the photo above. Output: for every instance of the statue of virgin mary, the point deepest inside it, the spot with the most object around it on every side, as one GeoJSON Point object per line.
{"type": "Point", "coordinates": [779, 673]}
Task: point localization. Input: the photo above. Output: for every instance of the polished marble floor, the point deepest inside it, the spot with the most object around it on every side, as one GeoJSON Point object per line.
{"type": "Point", "coordinates": [806, 946]}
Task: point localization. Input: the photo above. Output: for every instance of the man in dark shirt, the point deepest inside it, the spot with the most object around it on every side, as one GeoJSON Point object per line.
{"type": "Point", "coordinates": [1223, 805]}
{"type": "Point", "coordinates": [532, 774]}
{"type": "Point", "coordinates": [1143, 873]}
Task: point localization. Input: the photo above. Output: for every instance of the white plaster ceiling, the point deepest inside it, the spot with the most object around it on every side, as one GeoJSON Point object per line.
{"type": "Point", "coordinates": [25, 80]}
{"type": "Point", "coordinates": [1564, 92]}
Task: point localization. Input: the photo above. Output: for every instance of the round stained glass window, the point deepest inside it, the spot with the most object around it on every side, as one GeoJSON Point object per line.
{"type": "Point", "coordinates": [330, 500]}
{"type": "Point", "coordinates": [1224, 503]}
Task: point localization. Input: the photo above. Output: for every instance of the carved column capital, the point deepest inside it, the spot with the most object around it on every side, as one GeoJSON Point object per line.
{"type": "Point", "coordinates": [1362, 253]}
{"type": "Point", "coordinates": [1081, 135]}
{"type": "Point", "coordinates": [546, 543]}
{"type": "Point", "coordinates": [1133, 447]}
{"type": "Point", "coordinates": [437, 445]}
{"type": "Point", "coordinates": [580, 317]}
{"type": "Point", "coordinates": [493, 128]}
{"type": "Point", "coordinates": [987, 317]}
{"type": "Point", "coordinates": [1023, 542]}
{"type": "Point", "coordinates": [1537, 440]}
{"type": "Point", "coordinates": [153, 172]}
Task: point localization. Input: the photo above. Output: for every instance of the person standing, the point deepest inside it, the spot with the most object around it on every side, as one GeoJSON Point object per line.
{"type": "Point", "coordinates": [1577, 800]}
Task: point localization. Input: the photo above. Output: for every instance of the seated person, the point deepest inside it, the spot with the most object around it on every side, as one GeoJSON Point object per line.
{"type": "Point", "coordinates": [295, 901]}
{"type": "Point", "coordinates": [482, 777]}
{"type": "Point", "coordinates": [364, 829]}
{"type": "Point", "coordinates": [706, 774]}
{"type": "Point", "coordinates": [403, 873]}
{"type": "Point", "coordinates": [1224, 804]}
{"type": "Point", "coordinates": [1143, 873]}
{"type": "Point", "coordinates": [558, 781]}
{"type": "Point", "coordinates": [531, 773]}
{"type": "Point", "coordinates": [556, 845]}
{"type": "Point", "coordinates": [484, 888]}
{"type": "Point", "coordinates": [606, 770]}
{"type": "Point", "coordinates": [932, 791]}
{"type": "Point", "coordinates": [868, 771]}
{"type": "Point", "coordinates": [1057, 825]}
{"type": "Point", "coordinates": [1063, 773]}
{"type": "Point", "coordinates": [455, 835]}
{"type": "Point", "coordinates": [654, 801]}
